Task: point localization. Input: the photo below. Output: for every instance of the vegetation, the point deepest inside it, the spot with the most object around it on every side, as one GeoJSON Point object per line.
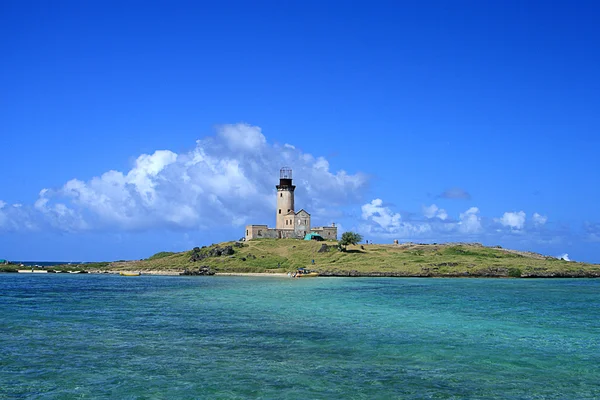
{"type": "Point", "coordinates": [349, 238]}
{"type": "Point", "coordinates": [285, 255]}
{"type": "Point", "coordinates": [161, 254]}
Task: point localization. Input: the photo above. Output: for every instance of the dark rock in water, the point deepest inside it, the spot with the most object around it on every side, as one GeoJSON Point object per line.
{"type": "Point", "coordinates": [203, 270]}
{"type": "Point", "coordinates": [324, 248]}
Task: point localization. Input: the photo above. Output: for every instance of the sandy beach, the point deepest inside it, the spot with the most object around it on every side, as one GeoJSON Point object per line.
{"type": "Point", "coordinates": [176, 273]}
{"type": "Point", "coordinates": [274, 274]}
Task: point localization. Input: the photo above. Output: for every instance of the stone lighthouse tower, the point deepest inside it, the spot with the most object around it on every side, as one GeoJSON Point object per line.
{"type": "Point", "coordinates": [285, 197]}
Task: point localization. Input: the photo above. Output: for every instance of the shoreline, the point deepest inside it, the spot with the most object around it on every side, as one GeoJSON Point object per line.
{"type": "Point", "coordinates": [180, 273]}
{"type": "Point", "coordinates": [354, 274]}
{"type": "Point", "coordinates": [273, 274]}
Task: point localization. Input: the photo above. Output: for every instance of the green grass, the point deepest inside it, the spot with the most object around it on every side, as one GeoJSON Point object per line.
{"type": "Point", "coordinates": [160, 255]}
{"type": "Point", "coordinates": [283, 255]}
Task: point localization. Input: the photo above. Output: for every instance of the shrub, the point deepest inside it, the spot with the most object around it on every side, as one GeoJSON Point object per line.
{"type": "Point", "coordinates": [349, 238]}
{"type": "Point", "coordinates": [514, 272]}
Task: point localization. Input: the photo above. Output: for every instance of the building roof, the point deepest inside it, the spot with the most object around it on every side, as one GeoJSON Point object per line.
{"type": "Point", "coordinates": [302, 210]}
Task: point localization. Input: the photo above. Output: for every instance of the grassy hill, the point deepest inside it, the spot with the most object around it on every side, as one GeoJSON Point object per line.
{"type": "Point", "coordinates": [283, 255]}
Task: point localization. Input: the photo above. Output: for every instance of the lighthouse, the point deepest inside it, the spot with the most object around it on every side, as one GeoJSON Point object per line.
{"type": "Point", "coordinates": [289, 223]}
{"type": "Point", "coordinates": [285, 197]}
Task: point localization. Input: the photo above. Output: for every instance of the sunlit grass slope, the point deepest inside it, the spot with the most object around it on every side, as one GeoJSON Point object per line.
{"type": "Point", "coordinates": [272, 255]}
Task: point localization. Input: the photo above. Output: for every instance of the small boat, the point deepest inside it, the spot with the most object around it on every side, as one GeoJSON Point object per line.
{"type": "Point", "coordinates": [122, 273]}
{"type": "Point", "coordinates": [304, 273]}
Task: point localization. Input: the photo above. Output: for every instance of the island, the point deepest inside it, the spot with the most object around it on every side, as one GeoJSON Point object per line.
{"type": "Point", "coordinates": [280, 256]}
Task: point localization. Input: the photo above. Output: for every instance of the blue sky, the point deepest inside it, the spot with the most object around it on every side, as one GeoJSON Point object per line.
{"type": "Point", "coordinates": [129, 129]}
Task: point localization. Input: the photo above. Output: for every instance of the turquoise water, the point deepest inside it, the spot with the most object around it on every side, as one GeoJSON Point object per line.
{"type": "Point", "coordinates": [149, 337]}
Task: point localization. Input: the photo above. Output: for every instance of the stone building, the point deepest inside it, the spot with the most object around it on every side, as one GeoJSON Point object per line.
{"type": "Point", "coordinates": [288, 222]}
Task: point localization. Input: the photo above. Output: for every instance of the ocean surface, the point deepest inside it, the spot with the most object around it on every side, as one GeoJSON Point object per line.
{"type": "Point", "coordinates": [65, 336]}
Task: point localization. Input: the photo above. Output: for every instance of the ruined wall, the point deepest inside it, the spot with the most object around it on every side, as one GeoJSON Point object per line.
{"type": "Point", "coordinates": [328, 232]}
{"type": "Point", "coordinates": [262, 231]}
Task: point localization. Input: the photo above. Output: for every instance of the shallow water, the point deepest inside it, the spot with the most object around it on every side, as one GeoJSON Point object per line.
{"type": "Point", "coordinates": [98, 336]}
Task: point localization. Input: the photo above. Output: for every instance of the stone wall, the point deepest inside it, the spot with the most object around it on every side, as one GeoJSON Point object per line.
{"type": "Point", "coordinates": [328, 232]}
{"type": "Point", "coordinates": [262, 231]}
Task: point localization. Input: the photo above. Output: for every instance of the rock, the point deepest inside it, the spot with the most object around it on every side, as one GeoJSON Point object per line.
{"type": "Point", "coordinates": [203, 270]}
{"type": "Point", "coordinates": [324, 248]}
{"type": "Point", "coordinates": [197, 255]}
{"type": "Point", "coordinates": [200, 254]}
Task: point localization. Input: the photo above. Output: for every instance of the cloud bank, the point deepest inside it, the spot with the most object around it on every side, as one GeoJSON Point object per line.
{"type": "Point", "coordinates": [227, 178]}
{"type": "Point", "coordinates": [437, 224]}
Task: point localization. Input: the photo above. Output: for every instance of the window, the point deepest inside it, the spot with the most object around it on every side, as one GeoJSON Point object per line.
{"type": "Point", "coordinates": [286, 221]}
{"type": "Point", "coordinates": [246, 232]}
{"type": "Point", "coordinates": [280, 211]}
{"type": "Point", "coordinates": [280, 194]}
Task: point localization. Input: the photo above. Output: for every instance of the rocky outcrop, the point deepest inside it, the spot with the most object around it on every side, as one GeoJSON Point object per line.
{"type": "Point", "coordinates": [324, 248]}
{"type": "Point", "coordinates": [202, 253]}
{"type": "Point", "coordinates": [203, 270]}
{"type": "Point", "coordinates": [562, 274]}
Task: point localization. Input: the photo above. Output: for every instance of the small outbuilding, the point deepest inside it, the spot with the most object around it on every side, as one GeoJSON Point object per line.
{"type": "Point", "coordinates": [313, 236]}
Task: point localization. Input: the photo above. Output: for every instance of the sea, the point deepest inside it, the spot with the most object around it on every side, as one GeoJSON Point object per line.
{"type": "Point", "coordinates": [73, 336]}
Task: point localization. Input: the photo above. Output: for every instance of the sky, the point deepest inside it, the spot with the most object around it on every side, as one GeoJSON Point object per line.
{"type": "Point", "coordinates": [129, 128]}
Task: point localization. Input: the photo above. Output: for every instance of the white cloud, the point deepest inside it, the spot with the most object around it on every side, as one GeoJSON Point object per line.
{"type": "Point", "coordinates": [470, 221]}
{"type": "Point", "coordinates": [381, 215]}
{"type": "Point", "coordinates": [380, 220]}
{"type": "Point", "coordinates": [227, 179]}
{"type": "Point", "coordinates": [538, 219]}
{"type": "Point", "coordinates": [434, 211]}
{"type": "Point", "coordinates": [564, 256]}
{"type": "Point", "coordinates": [513, 220]}
{"type": "Point", "coordinates": [242, 137]}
